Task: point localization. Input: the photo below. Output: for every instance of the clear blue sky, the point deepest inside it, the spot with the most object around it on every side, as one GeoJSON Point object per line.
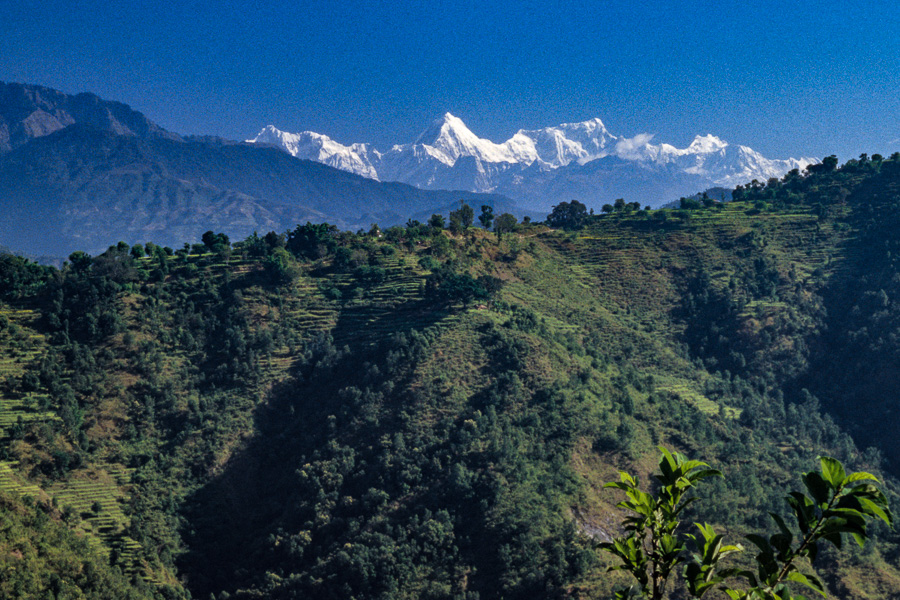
{"type": "Point", "coordinates": [787, 78]}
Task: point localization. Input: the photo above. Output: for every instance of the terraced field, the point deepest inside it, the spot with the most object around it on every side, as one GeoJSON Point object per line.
{"type": "Point", "coordinates": [23, 345]}
{"type": "Point", "coordinates": [631, 263]}
{"type": "Point", "coordinates": [95, 500]}
{"type": "Point", "coordinates": [632, 272]}
{"type": "Point", "coordinates": [685, 390]}
{"type": "Point", "coordinates": [11, 481]}
{"type": "Point", "coordinates": [387, 307]}
{"type": "Point", "coordinates": [21, 342]}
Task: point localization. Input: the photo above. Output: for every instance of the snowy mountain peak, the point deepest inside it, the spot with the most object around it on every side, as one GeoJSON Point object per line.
{"type": "Point", "coordinates": [593, 126]}
{"type": "Point", "coordinates": [267, 135]}
{"type": "Point", "coordinates": [444, 130]}
{"type": "Point", "coordinates": [707, 143]}
{"type": "Point", "coordinates": [544, 165]}
{"type": "Point", "coordinates": [579, 142]}
{"type": "Point", "coordinates": [309, 145]}
{"type": "Point", "coordinates": [450, 137]}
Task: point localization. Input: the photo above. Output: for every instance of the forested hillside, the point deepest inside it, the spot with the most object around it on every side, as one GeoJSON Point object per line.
{"type": "Point", "coordinates": [430, 413]}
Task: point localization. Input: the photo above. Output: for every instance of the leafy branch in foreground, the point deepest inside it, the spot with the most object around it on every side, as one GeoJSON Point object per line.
{"type": "Point", "coordinates": [837, 503]}
{"type": "Point", "coordinates": [653, 544]}
{"type": "Point", "coordinates": [652, 548]}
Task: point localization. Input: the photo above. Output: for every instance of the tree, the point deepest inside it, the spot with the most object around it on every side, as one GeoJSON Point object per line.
{"type": "Point", "coordinates": [253, 245]}
{"type": "Point", "coordinates": [275, 240]}
{"type": "Point", "coordinates": [280, 266]}
{"type": "Point", "coordinates": [486, 218]}
{"type": "Point", "coordinates": [137, 251]}
{"type": "Point", "coordinates": [440, 245]}
{"type": "Point", "coordinates": [437, 221]}
{"type": "Point", "coordinates": [209, 239]}
{"type": "Point", "coordinates": [462, 218]}
{"type": "Point", "coordinates": [828, 165]}
{"type": "Point", "coordinates": [19, 276]}
{"type": "Point", "coordinates": [446, 285]}
{"type": "Point", "coordinates": [568, 215]}
{"type": "Point", "coordinates": [215, 242]}
{"type": "Point", "coordinates": [650, 550]}
{"type": "Point", "coordinates": [654, 545]}
{"type": "Point", "coordinates": [81, 261]}
{"type": "Point", "coordinates": [312, 240]}
{"type": "Point", "coordinates": [504, 224]}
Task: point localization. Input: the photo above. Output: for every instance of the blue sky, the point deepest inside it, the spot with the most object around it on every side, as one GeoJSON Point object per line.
{"type": "Point", "coordinates": [786, 78]}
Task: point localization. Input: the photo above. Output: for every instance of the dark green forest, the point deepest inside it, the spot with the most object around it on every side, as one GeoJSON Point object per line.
{"type": "Point", "coordinates": [431, 411]}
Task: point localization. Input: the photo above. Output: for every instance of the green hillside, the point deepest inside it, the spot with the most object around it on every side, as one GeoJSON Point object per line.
{"type": "Point", "coordinates": [420, 413]}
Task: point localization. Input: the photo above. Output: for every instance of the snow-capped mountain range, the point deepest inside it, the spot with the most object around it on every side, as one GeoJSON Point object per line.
{"type": "Point", "coordinates": [541, 167]}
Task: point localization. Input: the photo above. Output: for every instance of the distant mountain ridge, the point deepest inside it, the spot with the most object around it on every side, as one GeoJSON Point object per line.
{"type": "Point", "coordinates": [544, 166]}
{"type": "Point", "coordinates": [79, 172]}
{"type": "Point", "coordinates": [31, 111]}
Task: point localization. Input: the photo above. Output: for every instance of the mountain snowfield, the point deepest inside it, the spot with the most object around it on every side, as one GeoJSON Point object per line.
{"type": "Point", "coordinates": [541, 167]}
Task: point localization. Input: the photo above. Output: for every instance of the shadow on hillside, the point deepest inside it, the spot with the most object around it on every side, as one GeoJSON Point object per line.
{"type": "Point", "coordinates": [232, 522]}
{"type": "Point", "coordinates": [854, 364]}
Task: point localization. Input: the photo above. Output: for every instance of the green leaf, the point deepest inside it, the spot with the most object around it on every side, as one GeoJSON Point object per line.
{"type": "Point", "coordinates": [618, 485]}
{"type": "Point", "coordinates": [781, 525]}
{"type": "Point", "coordinates": [818, 487]}
{"type": "Point", "coordinates": [849, 514]}
{"type": "Point", "coordinates": [683, 483]}
{"type": "Point", "coordinates": [627, 478]}
{"type": "Point", "coordinates": [782, 543]}
{"type": "Point", "coordinates": [690, 465]}
{"type": "Point", "coordinates": [838, 525]}
{"type": "Point", "coordinates": [872, 508]}
{"type": "Point", "coordinates": [760, 542]}
{"type": "Point", "coordinates": [750, 576]}
{"type": "Point", "coordinates": [698, 475]}
{"type": "Point", "coordinates": [803, 509]}
{"type": "Point", "coordinates": [812, 551]}
{"type": "Point", "coordinates": [667, 464]}
{"type": "Point", "coordinates": [809, 581]}
{"type": "Point", "coordinates": [861, 476]}
{"type": "Point", "coordinates": [706, 530]}
{"type": "Point", "coordinates": [832, 471]}
{"type": "Point", "coordinates": [684, 505]}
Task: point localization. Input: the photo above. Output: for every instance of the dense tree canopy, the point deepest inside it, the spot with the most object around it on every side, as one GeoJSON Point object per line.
{"type": "Point", "coordinates": [568, 215]}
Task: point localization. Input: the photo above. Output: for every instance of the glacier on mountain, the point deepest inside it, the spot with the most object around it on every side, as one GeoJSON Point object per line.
{"type": "Point", "coordinates": [544, 166]}
{"type": "Point", "coordinates": [321, 148]}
